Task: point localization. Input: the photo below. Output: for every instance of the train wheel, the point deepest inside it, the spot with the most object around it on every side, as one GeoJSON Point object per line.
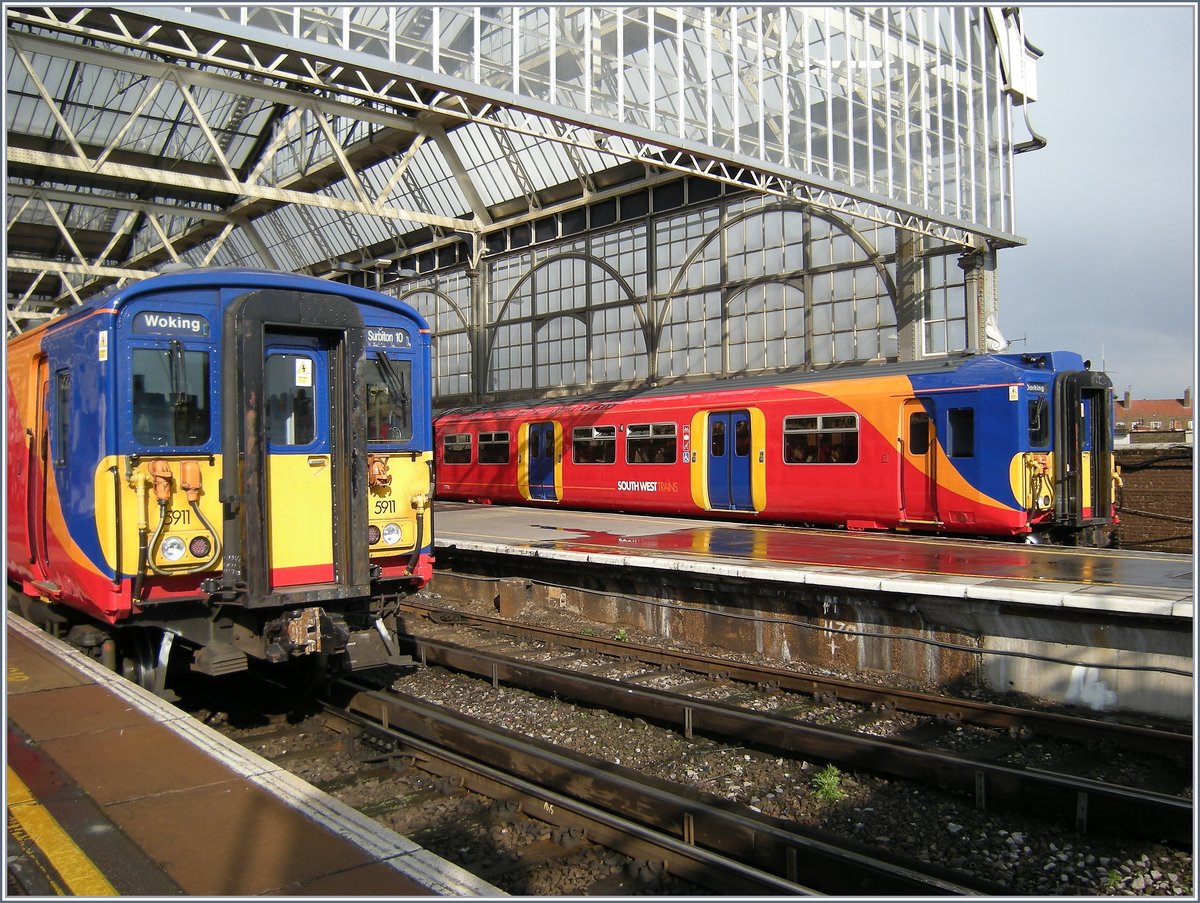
{"type": "Point", "coordinates": [144, 655]}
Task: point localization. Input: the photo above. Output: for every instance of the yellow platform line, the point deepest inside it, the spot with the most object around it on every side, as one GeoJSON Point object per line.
{"type": "Point", "coordinates": [72, 864]}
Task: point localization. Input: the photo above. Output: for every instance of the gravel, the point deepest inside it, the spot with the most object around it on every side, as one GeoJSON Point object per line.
{"type": "Point", "coordinates": [1020, 853]}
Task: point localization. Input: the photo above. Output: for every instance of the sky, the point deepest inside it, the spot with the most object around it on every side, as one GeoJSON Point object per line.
{"type": "Point", "coordinates": [1108, 207]}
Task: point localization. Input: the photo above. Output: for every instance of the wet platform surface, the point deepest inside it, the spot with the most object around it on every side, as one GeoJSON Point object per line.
{"type": "Point", "coordinates": [114, 791]}
{"type": "Point", "coordinates": [1143, 583]}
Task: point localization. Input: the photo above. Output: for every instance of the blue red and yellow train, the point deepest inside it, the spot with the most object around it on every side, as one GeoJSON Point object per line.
{"type": "Point", "coordinates": [1001, 446]}
{"type": "Point", "coordinates": [212, 467]}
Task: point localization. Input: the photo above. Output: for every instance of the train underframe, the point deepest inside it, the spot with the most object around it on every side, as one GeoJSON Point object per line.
{"type": "Point", "coordinates": [313, 643]}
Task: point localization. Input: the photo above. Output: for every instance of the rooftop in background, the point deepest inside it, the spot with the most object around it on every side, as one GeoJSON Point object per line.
{"type": "Point", "coordinates": [1154, 415]}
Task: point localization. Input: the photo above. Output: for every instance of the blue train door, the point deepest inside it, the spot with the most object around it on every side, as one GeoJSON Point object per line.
{"type": "Point", "coordinates": [729, 461]}
{"type": "Point", "coordinates": [541, 461]}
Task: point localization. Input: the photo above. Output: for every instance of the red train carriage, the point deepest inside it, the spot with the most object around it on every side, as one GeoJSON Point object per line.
{"type": "Point", "coordinates": [998, 445]}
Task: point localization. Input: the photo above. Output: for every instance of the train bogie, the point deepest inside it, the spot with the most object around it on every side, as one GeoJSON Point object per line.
{"type": "Point", "coordinates": [226, 462]}
{"type": "Point", "coordinates": [1000, 446]}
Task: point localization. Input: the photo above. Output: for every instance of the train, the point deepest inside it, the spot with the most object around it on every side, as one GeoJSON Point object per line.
{"type": "Point", "coordinates": [213, 470]}
{"type": "Point", "coordinates": [997, 446]}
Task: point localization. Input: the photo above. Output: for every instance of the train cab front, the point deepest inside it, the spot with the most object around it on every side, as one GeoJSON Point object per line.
{"type": "Point", "coordinates": [1071, 483]}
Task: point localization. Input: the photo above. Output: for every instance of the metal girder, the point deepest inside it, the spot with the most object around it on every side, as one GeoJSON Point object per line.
{"type": "Point", "coordinates": [194, 38]}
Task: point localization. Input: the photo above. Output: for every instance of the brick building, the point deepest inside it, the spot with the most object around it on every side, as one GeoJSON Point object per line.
{"type": "Point", "coordinates": [1154, 455]}
{"type": "Point", "coordinates": [1155, 420]}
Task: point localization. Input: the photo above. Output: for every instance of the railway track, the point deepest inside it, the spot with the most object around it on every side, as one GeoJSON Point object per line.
{"type": "Point", "coordinates": [1090, 775]}
{"type": "Point", "coordinates": [394, 756]}
{"type": "Point", "coordinates": [604, 805]}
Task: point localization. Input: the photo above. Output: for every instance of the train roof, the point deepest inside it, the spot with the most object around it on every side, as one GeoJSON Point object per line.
{"type": "Point", "coordinates": [202, 277]}
{"type": "Point", "coordinates": [1050, 362]}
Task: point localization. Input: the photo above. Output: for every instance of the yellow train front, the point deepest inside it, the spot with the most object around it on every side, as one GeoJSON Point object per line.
{"type": "Point", "coordinates": [215, 468]}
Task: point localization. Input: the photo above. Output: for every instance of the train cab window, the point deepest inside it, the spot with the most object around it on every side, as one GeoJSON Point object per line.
{"type": "Point", "coordinates": [918, 433]}
{"type": "Point", "coordinates": [594, 444]}
{"type": "Point", "coordinates": [1039, 423]}
{"type": "Point", "coordinates": [456, 448]}
{"type": "Point", "coordinates": [389, 398]}
{"type": "Point", "coordinates": [288, 387]}
{"type": "Point", "coordinates": [493, 448]}
{"type": "Point", "coordinates": [650, 443]}
{"type": "Point", "coordinates": [823, 439]}
{"type": "Point", "coordinates": [170, 397]}
{"type": "Point", "coordinates": [962, 432]}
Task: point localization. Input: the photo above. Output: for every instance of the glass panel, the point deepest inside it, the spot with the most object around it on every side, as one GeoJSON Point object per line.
{"type": "Point", "coordinates": [288, 388]}
{"type": "Point", "coordinates": [493, 448]}
{"type": "Point", "coordinates": [389, 399]}
{"type": "Point", "coordinates": [170, 397]}
{"type": "Point", "coordinates": [456, 448]}
{"type": "Point", "coordinates": [650, 444]}
{"type": "Point", "coordinates": [918, 433]}
{"type": "Point", "coordinates": [1039, 423]}
{"type": "Point", "coordinates": [962, 432]}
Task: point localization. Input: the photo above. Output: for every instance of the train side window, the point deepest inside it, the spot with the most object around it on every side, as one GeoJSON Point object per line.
{"type": "Point", "coordinates": [650, 443]}
{"type": "Point", "coordinates": [493, 448]}
{"type": "Point", "coordinates": [594, 444]}
{"type": "Point", "coordinates": [823, 439]}
{"type": "Point", "coordinates": [456, 448]}
{"type": "Point", "coordinates": [62, 415]}
{"type": "Point", "coordinates": [962, 432]}
{"type": "Point", "coordinates": [918, 433]}
{"type": "Point", "coordinates": [389, 398]}
{"type": "Point", "coordinates": [170, 397]}
{"type": "Point", "coordinates": [1039, 423]}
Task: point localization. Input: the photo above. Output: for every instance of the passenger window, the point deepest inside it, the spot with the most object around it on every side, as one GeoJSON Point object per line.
{"type": "Point", "coordinates": [170, 397]}
{"type": "Point", "coordinates": [594, 444]}
{"type": "Point", "coordinates": [389, 398]}
{"type": "Point", "coordinates": [1039, 423]}
{"type": "Point", "coordinates": [918, 433]}
{"type": "Point", "coordinates": [650, 443]}
{"type": "Point", "coordinates": [824, 439]}
{"type": "Point", "coordinates": [962, 432]}
{"type": "Point", "coordinates": [493, 448]}
{"type": "Point", "coordinates": [456, 448]}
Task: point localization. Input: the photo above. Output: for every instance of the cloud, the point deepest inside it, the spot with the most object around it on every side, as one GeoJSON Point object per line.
{"type": "Point", "coordinates": [1109, 206]}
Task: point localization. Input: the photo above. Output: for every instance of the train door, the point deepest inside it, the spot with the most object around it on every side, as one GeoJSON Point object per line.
{"type": "Point", "coordinates": [294, 450]}
{"type": "Point", "coordinates": [300, 463]}
{"type": "Point", "coordinates": [541, 461]}
{"type": "Point", "coordinates": [918, 458]}
{"type": "Point", "coordinates": [38, 470]}
{"type": "Point", "coordinates": [1083, 430]}
{"type": "Point", "coordinates": [729, 461]}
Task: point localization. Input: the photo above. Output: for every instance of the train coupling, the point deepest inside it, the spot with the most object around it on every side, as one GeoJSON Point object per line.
{"type": "Point", "coordinates": [304, 631]}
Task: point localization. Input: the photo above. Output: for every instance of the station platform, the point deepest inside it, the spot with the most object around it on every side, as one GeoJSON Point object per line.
{"type": "Point", "coordinates": [1104, 630]}
{"type": "Point", "coordinates": [112, 791]}
{"type": "Point", "coordinates": [1139, 583]}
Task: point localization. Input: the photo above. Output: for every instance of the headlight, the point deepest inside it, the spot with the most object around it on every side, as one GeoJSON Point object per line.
{"type": "Point", "coordinates": [372, 534]}
{"type": "Point", "coordinates": [391, 534]}
{"type": "Point", "coordinates": [172, 548]}
{"type": "Point", "coordinates": [200, 547]}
